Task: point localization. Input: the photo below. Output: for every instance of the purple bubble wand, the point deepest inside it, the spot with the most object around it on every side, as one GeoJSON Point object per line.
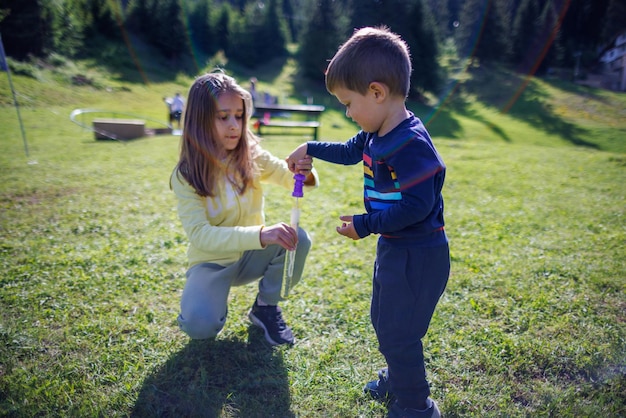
{"type": "Point", "coordinates": [290, 256]}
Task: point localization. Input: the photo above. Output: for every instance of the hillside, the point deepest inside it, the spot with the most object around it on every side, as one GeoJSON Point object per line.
{"type": "Point", "coordinates": [486, 104]}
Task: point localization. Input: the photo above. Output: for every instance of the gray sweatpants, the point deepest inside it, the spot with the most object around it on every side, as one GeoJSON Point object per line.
{"type": "Point", "coordinates": [204, 304]}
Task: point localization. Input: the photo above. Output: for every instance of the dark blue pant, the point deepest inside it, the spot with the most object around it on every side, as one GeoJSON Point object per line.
{"type": "Point", "coordinates": [408, 283]}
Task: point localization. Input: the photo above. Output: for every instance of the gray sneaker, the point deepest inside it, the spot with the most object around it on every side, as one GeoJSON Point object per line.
{"type": "Point", "coordinates": [270, 319]}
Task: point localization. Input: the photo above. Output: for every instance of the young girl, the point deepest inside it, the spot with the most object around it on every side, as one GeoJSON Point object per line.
{"type": "Point", "coordinates": [217, 182]}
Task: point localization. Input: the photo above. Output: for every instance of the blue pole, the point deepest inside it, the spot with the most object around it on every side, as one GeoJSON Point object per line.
{"type": "Point", "coordinates": [4, 65]}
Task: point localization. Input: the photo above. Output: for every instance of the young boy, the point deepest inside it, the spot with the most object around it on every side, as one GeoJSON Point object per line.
{"type": "Point", "coordinates": [403, 178]}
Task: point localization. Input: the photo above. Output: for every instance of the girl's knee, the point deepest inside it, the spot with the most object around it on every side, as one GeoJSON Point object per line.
{"type": "Point", "coordinates": [304, 240]}
{"type": "Point", "coordinates": [201, 328]}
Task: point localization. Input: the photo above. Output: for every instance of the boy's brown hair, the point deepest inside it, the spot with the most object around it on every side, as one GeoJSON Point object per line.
{"type": "Point", "coordinates": [371, 54]}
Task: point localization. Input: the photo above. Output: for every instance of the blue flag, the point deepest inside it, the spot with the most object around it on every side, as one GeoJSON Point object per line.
{"type": "Point", "coordinates": [4, 66]}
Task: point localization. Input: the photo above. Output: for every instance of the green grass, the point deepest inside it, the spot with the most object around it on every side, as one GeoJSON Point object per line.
{"type": "Point", "coordinates": [93, 258]}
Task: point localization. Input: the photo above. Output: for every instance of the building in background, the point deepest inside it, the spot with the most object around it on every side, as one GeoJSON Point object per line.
{"type": "Point", "coordinates": [613, 60]}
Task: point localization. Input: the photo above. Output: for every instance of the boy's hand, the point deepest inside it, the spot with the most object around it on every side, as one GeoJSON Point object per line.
{"type": "Point", "coordinates": [299, 162]}
{"type": "Point", "coordinates": [303, 166]}
{"type": "Point", "coordinates": [347, 228]}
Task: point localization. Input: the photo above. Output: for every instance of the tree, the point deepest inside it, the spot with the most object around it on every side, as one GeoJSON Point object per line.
{"type": "Point", "coordinates": [290, 17]}
{"type": "Point", "coordinates": [171, 34]}
{"type": "Point", "coordinates": [440, 12]}
{"type": "Point", "coordinates": [551, 18]}
{"type": "Point", "coordinates": [482, 33]}
{"type": "Point", "coordinates": [391, 13]}
{"type": "Point", "coordinates": [223, 28]}
{"type": "Point", "coordinates": [20, 14]}
{"type": "Point", "coordinates": [582, 29]}
{"type": "Point", "coordinates": [422, 40]}
{"type": "Point", "coordinates": [103, 19]}
{"type": "Point", "coordinates": [200, 30]}
{"type": "Point", "coordinates": [68, 30]}
{"type": "Point", "coordinates": [526, 28]}
{"type": "Point", "coordinates": [414, 22]}
{"type": "Point", "coordinates": [161, 24]}
{"type": "Point", "coordinates": [274, 32]}
{"type": "Point", "coordinates": [615, 20]}
{"type": "Point", "coordinates": [321, 38]}
{"type": "Point", "coordinates": [454, 10]}
{"type": "Point", "coordinates": [259, 36]}
{"type": "Point", "coordinates": [140, 17]}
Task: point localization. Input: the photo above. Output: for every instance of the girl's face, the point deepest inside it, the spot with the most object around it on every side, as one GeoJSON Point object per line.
{"type": "Point", "coordinates": [229, 121]}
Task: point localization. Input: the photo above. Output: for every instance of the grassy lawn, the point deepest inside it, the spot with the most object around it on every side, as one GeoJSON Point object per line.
{"type": "Point", "coordinates": [93, 257]}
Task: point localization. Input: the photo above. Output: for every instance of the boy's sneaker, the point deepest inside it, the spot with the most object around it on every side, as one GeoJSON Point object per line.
{"type": "Point", "coordinates": [270, 319]}
{"type": "Point", "coordinates": [431, 412]}
{"type": "Point", "coordinates": [380, 389]}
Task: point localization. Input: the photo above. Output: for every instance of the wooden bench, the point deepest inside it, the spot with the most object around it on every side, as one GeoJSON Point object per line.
{"type": "Point", "coordinates": [113, 128]}
{"type": "Point", "coordinates": [279, 116]}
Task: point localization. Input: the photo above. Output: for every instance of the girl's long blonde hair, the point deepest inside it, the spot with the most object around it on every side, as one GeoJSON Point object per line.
{"type": "Point", "coordinates": [200, 163]}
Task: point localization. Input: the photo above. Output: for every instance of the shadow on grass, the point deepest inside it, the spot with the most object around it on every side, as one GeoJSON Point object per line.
{"type": "Point", "coordinates": [212, 378]}
{"type": "Point", "coordinates": [443, 124]}
{"type": "Point", "coordinates": [502, 91]}
{"type": "Point", "coordinates": [510, 93]}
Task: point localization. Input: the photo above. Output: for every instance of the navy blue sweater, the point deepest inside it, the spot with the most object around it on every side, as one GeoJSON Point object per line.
{"type": "Point", "coordinates": [403, 178]}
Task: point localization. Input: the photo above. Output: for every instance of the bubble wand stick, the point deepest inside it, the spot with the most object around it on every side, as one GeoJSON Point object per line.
{"type": "Point", "coordinates": [290, 256]}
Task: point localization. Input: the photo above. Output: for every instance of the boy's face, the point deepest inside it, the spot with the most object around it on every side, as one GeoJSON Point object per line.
{"type": "Point", "coordinates": [362, 109]}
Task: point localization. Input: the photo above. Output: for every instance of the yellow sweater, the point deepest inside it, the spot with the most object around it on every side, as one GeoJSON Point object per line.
{"type": "Point", "coordinates": [221, 228]}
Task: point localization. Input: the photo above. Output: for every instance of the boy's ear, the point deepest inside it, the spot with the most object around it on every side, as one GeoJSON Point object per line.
{"type": "Point", "coordinates": [379, 90]}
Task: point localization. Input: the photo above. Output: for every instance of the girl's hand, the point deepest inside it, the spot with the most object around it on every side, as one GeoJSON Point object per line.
{"type": "Point", "coordinates": [280, 234]}
{"type": "Point", "coordinates": [303, 166]}
{"type": "Point", "coordinates": [347, 228]}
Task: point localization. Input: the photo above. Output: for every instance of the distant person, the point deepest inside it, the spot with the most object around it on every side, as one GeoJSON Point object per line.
{"type": "Point", "coordinates": [403, 179]}
{"type": "Point", "coordinates": [170, 115]}
{"type": "Point", "coordinates": [253, 91]}
{"type": "Point", "coordinates": [176, 109]}
{"type": "Point", "coordinates": [268, 99]}
{"type": "Point", "coordinates": [218, 185]}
